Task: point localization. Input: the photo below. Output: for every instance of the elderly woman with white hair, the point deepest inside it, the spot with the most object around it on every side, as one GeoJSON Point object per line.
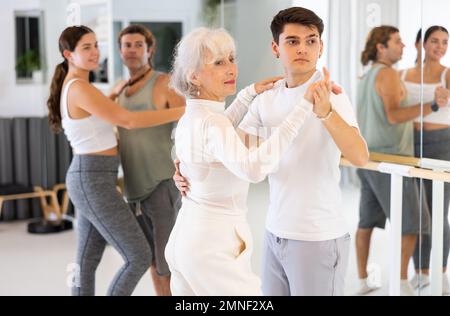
{"type": "Point", "coordinates": [209, 249]}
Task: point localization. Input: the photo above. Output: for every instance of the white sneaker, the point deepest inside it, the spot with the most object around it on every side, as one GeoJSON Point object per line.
{"type": "Point", "coordinates": [406, 288]}
{"type": "Point", "coordinates": [424, 281]}
{"type": "Point", "coordinates": [365, 287]}
{"type": "Point", "coordinates": [445, 285]}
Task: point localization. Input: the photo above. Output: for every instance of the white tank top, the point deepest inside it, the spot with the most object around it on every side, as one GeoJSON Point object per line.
{"type": "Point", "coordinates": [413, 97]}
{"type": "Point", "coordinates": [87, 135]}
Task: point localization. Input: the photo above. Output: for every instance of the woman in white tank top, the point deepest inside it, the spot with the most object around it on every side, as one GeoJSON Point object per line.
{"type": "Point", "coordinates": [436, 79]}
{"type": "Point", "coordinates": [88, 118]}
{"type": "Point", "coordinates": [436, 131]}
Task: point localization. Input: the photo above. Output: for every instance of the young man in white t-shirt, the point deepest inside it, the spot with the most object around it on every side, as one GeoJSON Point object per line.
{"type": "Point", "coordinates": [307, 242]}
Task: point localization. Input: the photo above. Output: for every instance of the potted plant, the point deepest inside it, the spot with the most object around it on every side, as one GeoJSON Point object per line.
{"type": "Point", "coordinates": [210, 12]}
{"type": "Point", "coordinates": [29, 65]}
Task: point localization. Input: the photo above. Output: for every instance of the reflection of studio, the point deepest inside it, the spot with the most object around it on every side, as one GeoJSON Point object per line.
{"type": "Point", "coordinates": [183, 149]}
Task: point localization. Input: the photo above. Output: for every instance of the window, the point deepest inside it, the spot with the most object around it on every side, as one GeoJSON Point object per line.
{"type": "Point", "coordinates": [29, 46]}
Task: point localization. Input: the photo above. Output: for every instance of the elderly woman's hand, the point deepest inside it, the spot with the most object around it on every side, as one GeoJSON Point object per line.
{"type": "Point", "coordinates": [181, 182]}
{"type": "Point", "coordinates": [265, 85]}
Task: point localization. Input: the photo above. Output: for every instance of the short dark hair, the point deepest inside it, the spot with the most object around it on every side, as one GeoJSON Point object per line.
{"type": "Point", "coordinates": [295, 15]}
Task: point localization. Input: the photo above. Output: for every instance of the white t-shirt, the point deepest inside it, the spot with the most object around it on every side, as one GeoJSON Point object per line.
{"type": "Point", "coordinates": [305, 198]}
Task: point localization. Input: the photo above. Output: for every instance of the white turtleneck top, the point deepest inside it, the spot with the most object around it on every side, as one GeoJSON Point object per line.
{"type": "Point", "coordinates": [214, 159]}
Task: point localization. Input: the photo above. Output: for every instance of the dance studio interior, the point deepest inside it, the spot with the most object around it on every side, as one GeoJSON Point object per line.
{"type": "Point", "coordinates": [385, 180]}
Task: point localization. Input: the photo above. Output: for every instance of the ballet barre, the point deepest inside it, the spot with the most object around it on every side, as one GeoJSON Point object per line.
{"type": "Point", "coordinates": [429, 169]}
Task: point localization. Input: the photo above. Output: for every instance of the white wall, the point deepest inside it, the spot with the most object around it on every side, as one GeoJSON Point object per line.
{"type": "Point", "coordinates": [189, 12]}
{"type": "Point", "coordinates": [253, 39]}
{"type": "Point", "coordinates": [55, 23]}
{"type": "Point", "coordinates": [409, 24]}
{"type": "Point", "coordinates": [17, 99]}
{"type": "Point", "coordinates": [437, 12]}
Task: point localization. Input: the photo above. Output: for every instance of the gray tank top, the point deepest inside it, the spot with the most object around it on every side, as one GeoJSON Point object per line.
{"type": "Point", "coordinates": [145, 153]}
{"type": "Point", "coordinates": [380, 135]}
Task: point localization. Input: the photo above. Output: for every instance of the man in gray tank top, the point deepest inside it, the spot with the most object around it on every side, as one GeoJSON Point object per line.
{"type": "Point", "coordinates": [387, 125]}
{"type": "Point", "coordinates": [146, 153]}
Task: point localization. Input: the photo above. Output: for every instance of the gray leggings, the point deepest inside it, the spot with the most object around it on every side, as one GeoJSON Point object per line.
{"type": "Point", "coordinates": [104, 217]}
{"type": "Point", "coordinates": [436, 145]}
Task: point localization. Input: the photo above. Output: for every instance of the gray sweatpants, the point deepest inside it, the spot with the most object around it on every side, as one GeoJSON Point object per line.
{"type": "Point", "coordinates": [436, 145]}
{"type": "Point", "coordinates": [160, 211]}
{"type": "Point", "coordinates": [104, 217]}
{"type": "Point", "coordinates": [304, 268]}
